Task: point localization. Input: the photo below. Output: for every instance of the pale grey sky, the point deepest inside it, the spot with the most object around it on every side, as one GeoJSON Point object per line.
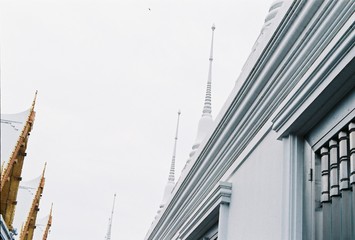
{"type": "Point", "coordinates": [111, 76]}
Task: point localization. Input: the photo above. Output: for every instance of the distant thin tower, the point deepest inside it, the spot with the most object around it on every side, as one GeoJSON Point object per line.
{"type": "Point", "coordinates": [171, 180]}
{"type": "Point", "coordinates": [172, 168]}
{"type": "Point", "coordinates": [108, 234]}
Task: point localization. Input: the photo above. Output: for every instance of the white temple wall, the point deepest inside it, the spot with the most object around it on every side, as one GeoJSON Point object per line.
{"type": "Point", "coordinates": [255, 211]}
{"type": "Point", "coordinates": [259, 173]}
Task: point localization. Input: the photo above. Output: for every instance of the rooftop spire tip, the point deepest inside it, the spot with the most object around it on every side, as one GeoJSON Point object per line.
{"type": "Point", "coordinates": [34, 99]}
{"type": "Point", "coordinates": [172, 167]}
{"type": "Point", "coordinates": [44, 169]}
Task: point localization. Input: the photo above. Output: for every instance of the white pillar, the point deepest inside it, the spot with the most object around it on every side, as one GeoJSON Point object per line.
{"type": "Point", "coordinates": [225, 193]}
{"type": "Point", "coordinates": [223, 221]}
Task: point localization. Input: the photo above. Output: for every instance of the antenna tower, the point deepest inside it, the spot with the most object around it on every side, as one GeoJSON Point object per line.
{"type": "Point", "coordinates": [108, 234]}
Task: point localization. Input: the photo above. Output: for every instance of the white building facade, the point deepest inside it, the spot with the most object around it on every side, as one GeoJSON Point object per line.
{"type": "Point", "coordinates": [279, 162]}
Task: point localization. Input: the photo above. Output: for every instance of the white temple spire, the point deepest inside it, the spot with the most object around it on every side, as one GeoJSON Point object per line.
{"type": "Point", "coordinates": [207, 108]}
{"type": "Point", "coordinates": [171, 181]}
{"type": "Point", "coordinates": [108, 234]}
{"type": "Point", "coordinates": [172, 168]}
{"type": "Point", "coordinates": [206, 120]}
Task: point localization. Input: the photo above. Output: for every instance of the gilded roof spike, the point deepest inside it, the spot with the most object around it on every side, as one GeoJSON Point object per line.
{"type": "Point", "coordinates": [34, 100]}
{"type": "Point", "coordinates": [44, 169]}
{"type": "Point", "coordinates": [50, 212]}
{"type": "Point", "coordinates": [48, 226]}
{"type": "Point", "coordinates": [11, 172]}
{"type": "Point", "coordinates": [30, 224]}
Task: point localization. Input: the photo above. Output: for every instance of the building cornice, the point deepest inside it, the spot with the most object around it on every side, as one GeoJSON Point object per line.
{"type": "Point", "coordinates": [319, 58]}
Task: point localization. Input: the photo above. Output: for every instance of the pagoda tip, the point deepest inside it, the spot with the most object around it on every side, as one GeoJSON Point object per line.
{"type": "Point", "coordinates": [44, 169]}
{"type": "Point", "coordinates": [34, 100]}
{"type": "Point", "coordinates": [213, 27]}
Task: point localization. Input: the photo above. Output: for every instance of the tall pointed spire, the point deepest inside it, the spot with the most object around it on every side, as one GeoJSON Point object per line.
{"type": "Point", "coordinates": [34, 100]}
{"type": "Point", "coordinates": [171, 180]}
{"type": "Point", "coordinates": [11, 169]}
{"type": "Point", "coordinates": [48, 226]}
{"type": "Point", "coordinates": [207, 108]}
{"type": "Point", "coordinates": [206, 120]}
{"type": "Point", "coordinates": [108, 234]}
{"type": "Point", "coordinates": [172, 167]}
{"type": "Point", "coordinates": [28, 228]}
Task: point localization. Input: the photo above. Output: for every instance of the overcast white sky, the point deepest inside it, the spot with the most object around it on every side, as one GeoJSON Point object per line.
{"type": "Point", "coordinates": [111, 76]}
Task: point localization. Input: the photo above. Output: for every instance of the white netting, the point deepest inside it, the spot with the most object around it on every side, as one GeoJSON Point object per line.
{"type": "Point", "coordinates": [41, 225]}
{"type": "Point", "coordinates": [12, 126]}
{"type": "Point", "coordinates": [26, 193]}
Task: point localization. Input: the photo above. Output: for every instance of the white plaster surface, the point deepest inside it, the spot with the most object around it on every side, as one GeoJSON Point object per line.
{"type": "Point", "coordinates": [255, 208]}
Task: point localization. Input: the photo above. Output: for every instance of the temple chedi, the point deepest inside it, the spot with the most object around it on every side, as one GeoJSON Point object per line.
{"type": "Point", "coordinates": [204, 125]}
{"type": "Point", "coordinates": [206, 122]}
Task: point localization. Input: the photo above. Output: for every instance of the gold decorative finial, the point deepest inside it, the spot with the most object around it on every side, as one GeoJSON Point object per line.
{"type": "Point", "coordinates": [44, 169]}
{"type": "Point", "coordinates": [34, 100]}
